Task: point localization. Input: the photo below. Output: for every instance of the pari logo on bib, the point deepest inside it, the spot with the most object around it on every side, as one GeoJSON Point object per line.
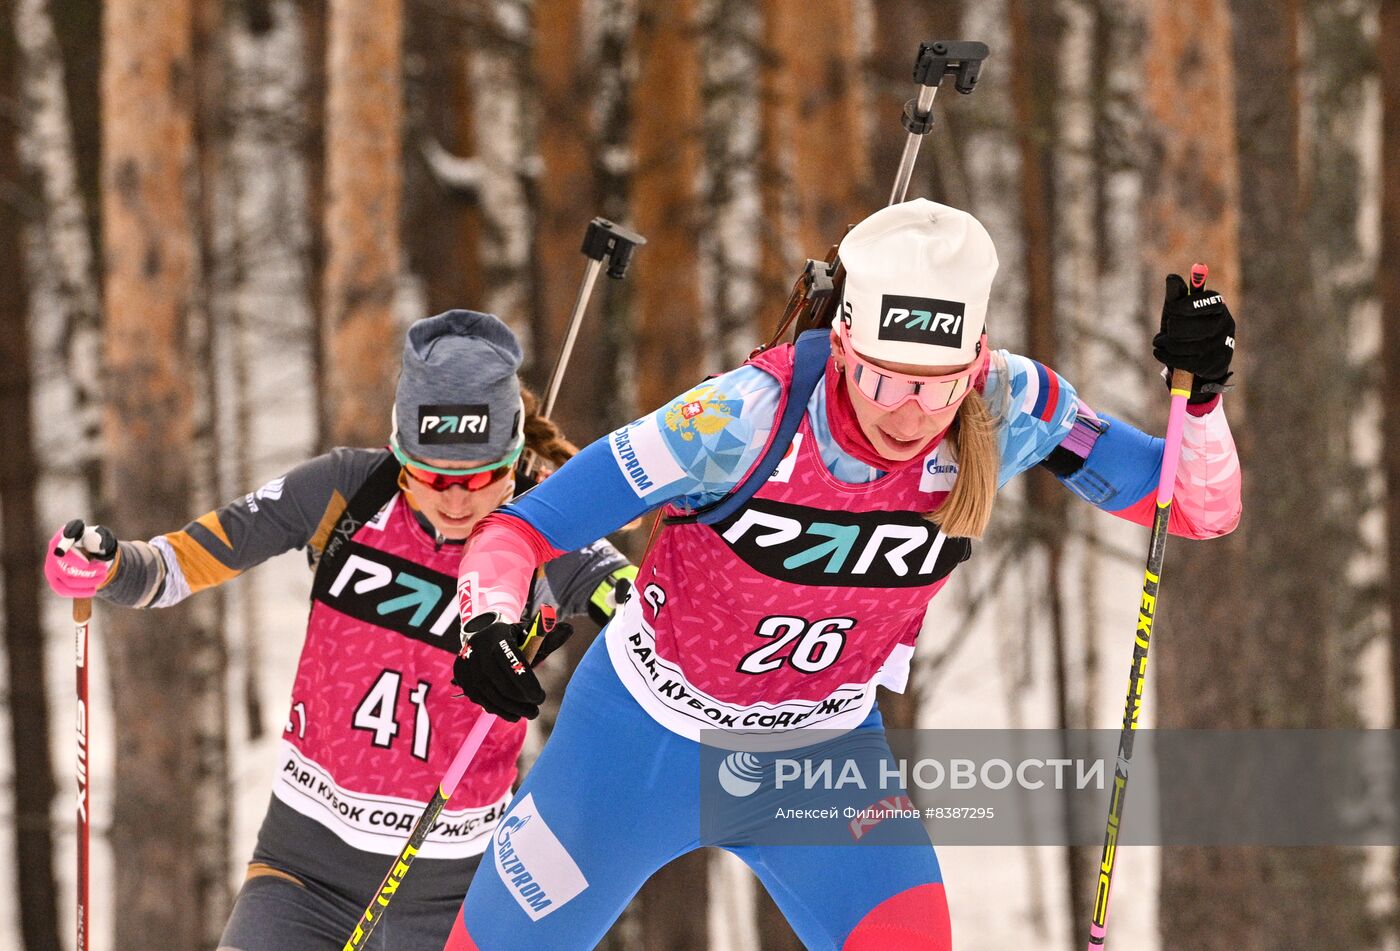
{"type": "Point", "coordinates": [918, 276]}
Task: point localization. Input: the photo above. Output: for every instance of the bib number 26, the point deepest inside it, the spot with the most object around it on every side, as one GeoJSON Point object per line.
{"type": "Point", "coordinates": [810, 646]}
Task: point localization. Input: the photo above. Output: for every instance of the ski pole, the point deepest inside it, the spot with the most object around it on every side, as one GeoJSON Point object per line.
{"type": "Point", "coordinates": [369, 920]}
{"type": "Point", "coordinates": [1137, 673]}
{"type": "Point", "coordinates": [82, 615]}
{"type": "Point", "coordinates": [76, 532]}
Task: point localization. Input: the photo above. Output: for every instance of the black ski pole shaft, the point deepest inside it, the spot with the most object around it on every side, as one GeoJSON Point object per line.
{"type": "Point", "coordinates": [369, 920]}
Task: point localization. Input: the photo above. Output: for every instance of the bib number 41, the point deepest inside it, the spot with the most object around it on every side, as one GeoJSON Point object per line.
{"type": "Point", "coordinates": [814, 646]}
{"type": "Point", "coordinates": [376, 713]}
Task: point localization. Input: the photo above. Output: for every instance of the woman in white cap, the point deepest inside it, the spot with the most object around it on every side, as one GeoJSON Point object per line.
{"type": "Point", "coordinates": [373, 721]}
{"type": "Point", "coordinates": [779, 613]}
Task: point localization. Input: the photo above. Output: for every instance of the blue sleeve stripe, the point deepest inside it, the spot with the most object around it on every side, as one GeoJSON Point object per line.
{"type": "Point", "coordinates": [586, 499]}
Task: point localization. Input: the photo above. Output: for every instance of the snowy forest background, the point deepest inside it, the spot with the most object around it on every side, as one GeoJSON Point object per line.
{"type": "Point", "coordinates": [216, 218]}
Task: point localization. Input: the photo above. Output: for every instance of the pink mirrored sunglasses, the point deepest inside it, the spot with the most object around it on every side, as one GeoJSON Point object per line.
{"type": "Point", "coordinates": [889, 390]}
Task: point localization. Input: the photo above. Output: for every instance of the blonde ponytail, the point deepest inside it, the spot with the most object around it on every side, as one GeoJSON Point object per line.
{"type": "Point", "coordinates": [973, 440]}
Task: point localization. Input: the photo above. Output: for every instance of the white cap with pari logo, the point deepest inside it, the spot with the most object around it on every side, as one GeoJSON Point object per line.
{"type": "Point", "coordinates": [918, 275]}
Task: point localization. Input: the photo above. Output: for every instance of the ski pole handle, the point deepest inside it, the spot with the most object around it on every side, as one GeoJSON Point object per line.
{"type": "Point", "coordinates": [1181, 381]}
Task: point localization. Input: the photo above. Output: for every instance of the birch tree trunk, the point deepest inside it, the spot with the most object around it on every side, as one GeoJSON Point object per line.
{"type": "Point", "coordinates": [149, 236]}
{"type": "Point", "coordinates": [730, 237]}
{"type": "Point", "coordinates": [499, 73]}
{"type": "Point", "coordinates": [314, 30]}
{"type": "Point", "coordinates": [26, 685]}
{"type": "Point", "coordinates": [63, 260]}
{"type": "Point", "coordinates": [1036, 36]}
{"type": "Point", "coordinates": [77, 25]}
{"type": "Point", "coordinates": [613, 71]}
{"type": "Point", "coordinates": [361, 231]}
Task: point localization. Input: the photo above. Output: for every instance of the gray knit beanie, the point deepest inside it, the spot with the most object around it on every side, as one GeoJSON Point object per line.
{"type": "Point", "coordinates": [458, 396]}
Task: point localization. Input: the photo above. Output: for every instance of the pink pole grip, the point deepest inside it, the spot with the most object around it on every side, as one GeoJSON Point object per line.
{"type": "Point", "coordinates": [1171, 453]}
{"type": "Point", "coordinates": [467, 753]}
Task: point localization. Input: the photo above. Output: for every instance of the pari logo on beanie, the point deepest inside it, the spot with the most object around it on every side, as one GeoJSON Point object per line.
{"type": "Point", "coordinates": [918, 277]}
{"type": "Point", "coordinates": [448, 424]}
{"type": "Point", "coordinates": [922, 320]}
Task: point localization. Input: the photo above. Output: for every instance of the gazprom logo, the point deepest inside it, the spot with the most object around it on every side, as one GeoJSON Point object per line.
{"type": "Point", "coordinates": [533, 864]}
{"type": "Point", "coordinates": [517, 877]}
{"type": "Point", "coordinates": [939, 475]}
{"type": "Point", "coordinates": [636, 473]}
{"type": "Point", "coordinates": [922, 320]}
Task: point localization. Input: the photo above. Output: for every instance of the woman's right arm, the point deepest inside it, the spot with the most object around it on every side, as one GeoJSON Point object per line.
{"type": "Point", "coordinates": [292, 511]}
{"type": "Point", "coordinates": [691, 451]}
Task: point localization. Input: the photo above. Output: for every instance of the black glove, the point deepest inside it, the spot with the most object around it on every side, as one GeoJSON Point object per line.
{"type": "Point", "coordinates": [1197, 335]}
{"type": "Point", "coordinates": [492, 669]}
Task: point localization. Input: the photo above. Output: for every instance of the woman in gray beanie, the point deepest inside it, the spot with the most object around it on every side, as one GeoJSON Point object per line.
{"type": "Point", "coordinates": [373, 722]}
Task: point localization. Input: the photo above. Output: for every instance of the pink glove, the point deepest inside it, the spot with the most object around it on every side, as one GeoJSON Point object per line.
{"type": "Point", "coordinates": [78, 559]}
